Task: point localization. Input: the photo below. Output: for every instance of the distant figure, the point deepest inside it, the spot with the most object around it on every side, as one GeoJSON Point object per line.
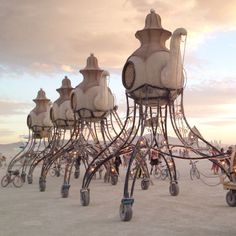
{"type": "Point", "coordinates": [126, 158]}
{"type": "Point", "coordinates": [3, 161]}
{"type": "Point", "coordinates": [186, 153]}
{"type": "Point", "coordinates": [214, 167]}
{"type": "Point", "coordinates": [154, 160]}
{"type": "Point", "coordinates": [117, 163]}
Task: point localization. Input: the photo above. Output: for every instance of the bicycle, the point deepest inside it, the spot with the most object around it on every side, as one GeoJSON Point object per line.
{"type": "Point", "coordinates": [165, 173]}
{"type": "Point", "coordinates": [157, 172]}
{"type": "Point", "coordinates": [194, 172]}
{"type": "Point", "coordinates": [12, 177]}
{"type": "Point", "coordinates": [57, 171]}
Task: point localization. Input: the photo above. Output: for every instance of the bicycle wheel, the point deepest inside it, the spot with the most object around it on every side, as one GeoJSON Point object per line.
{"type": "Point", "coordinates": [194, 173]}
{"type": "Point", "coordinates": [157, 173]}
{"type": "Point", "coordinates": [191, 173]}
{"type": "Point", "coordinates": [164, 174]}
{"type": "Point", "coordinates": [4, 181]}
{"type": "Point", "coordinates": [52, 172]}
{"type": "Point", "coordinates": [197, 173]}
{"type": "Point", "coordinates": [62, 171]}
{"type": "Point", "coordinates": [17, 181]}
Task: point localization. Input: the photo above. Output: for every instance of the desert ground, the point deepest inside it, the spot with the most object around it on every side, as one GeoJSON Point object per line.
{"type": "Point", "coordinates": [199, 209]}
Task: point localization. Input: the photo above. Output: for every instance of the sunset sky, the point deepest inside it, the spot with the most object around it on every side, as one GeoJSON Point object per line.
{"type": "Point", "coordinates": [42, 41]}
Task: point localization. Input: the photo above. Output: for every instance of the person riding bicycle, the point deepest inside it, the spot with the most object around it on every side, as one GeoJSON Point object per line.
{"type": "Point", "coordinates": [155, 159]}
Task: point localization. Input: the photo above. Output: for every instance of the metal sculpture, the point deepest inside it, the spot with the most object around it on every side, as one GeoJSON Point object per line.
{"type": "Point", "coordinates": [91, 128]}
{"type": "Point", "coordinates": [40, 128]}
{"type": "Point", "coordinates": [154, 81]}
{"type": "Point", "coordinates": [62, 119]}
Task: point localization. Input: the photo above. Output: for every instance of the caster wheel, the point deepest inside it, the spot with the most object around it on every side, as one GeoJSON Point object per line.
{"type": "Point", "coordinates": [84, 197]}
{"type": "Point", "coordinates": [114, 179]}
{"type": "Point", "coordinates": [145, 184]}
{"type": "Point", "coordinates": [231, 198]}
{"type": "Point", "coordinates": [174, 189]}
{"type": "Point", "coordinates": [58, 173]}
{"type": "Point", "coordinates": [77, 174]}
{"type": "Point", "coordinates": [30, 179]}
{"type": "Point", "coordinates": [42, 184]}
{"type": "Point", "coordinates": [126, 212]}
{"type": "Point", "coordinates": [23, 177]}
{"type": "Point", "coordinates": [65, 190]}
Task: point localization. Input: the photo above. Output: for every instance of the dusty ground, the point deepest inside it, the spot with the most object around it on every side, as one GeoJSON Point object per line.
{"type": "Point", "coordinates": [197, 210]}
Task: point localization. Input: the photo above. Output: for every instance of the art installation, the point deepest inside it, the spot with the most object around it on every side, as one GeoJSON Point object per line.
{"type": "Point", "coordinates": [83, 125]}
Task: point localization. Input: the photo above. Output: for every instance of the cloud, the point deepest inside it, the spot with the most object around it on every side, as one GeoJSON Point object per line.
{"type": "Point", "coordinates": [67, 68]}
{"type": "Point", "coordinates": [201, 15]}
{"type": "Point", "coordinates": [43, 67]}
{"type": "Point", "coordinates": [211, 98]}
{"type": "Point", "coordinates": [14, 108]}
{"type": "Point", "coordinates": [46, 35]}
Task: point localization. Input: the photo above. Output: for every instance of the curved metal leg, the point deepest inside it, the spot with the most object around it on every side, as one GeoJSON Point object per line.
{"type": "Point", "coordinates": [65, 190]}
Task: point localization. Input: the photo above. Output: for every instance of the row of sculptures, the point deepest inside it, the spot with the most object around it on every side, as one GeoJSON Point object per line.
{"type": "Point", "coordinates": [84, 126]}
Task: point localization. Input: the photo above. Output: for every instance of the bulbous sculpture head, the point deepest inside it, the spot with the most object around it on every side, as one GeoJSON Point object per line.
{"type": "Point", "coordinates": [61, 113]}
{"type": "Point", "coordinates": [92, 99]}
{"type": "Point", "coordinates": [145, 74]}
{"type": "Point", "coordinates": [38, 119]}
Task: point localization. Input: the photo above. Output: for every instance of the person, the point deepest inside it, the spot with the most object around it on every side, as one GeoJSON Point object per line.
{"type": "Point", "coordinates": [214, 167]}
{"type": "Point", "coordinates": [117, 163]}
{"type": "Point", "coordinates": [154, 160]}
{"type": "Point", "coordinates": [126, 158]}
{"type": "Point", "coordinates": [2, 160]}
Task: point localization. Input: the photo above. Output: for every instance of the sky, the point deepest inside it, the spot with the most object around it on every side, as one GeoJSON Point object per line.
{"type": "Point", "coordinates": [42, 41]}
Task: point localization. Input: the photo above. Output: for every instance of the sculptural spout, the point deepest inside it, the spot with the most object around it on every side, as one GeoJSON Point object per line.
{"type": "Point", "coordinates": [172, 74]}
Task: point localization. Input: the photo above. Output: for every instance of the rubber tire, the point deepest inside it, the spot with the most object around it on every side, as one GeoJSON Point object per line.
{"type": "Point", "coordinates": [163, 174]}
{"type": "Point", "coordinates": [76, 174]}
{"type": "Point", "coordinates": [4, 181]}
{"type": "Point", "coordinates": [174, 189]}
{"type": "Point", "coordinates": [17, 181]}
{"type": "Point", "coordinates": [191, 173]}
{"type": "Point", "coordinates": [52, 172]}
{"type": "Point", "coordinates": [114, 179]}
{"type": "Point", "coordinates": [145, 184]}
{"type": "Point", "coordinates": [84, 197]}
{"type": "Point", "coordinates": [57, 173]}
{"type": "Point", "coordinates": [231, 198]}
{"type": "Point", "coordinates": [194, 174]}
{"type": "Point", "coordinates": [197, 174]}
{"type": "Point", "coordinates": [29, 179]}
{"type": "Point", "coordinates": [62, 171]}
{"type": "Point", "coordinates": [65, 190]}
{"type": "Point", "coordinates": [126, 212]}
{"type": "Point", "coordinates": [23, 176]}
{"type": "Point", "coordinates": [157, 173]}
{"type": "Point", "coordinates": [42, 185]}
